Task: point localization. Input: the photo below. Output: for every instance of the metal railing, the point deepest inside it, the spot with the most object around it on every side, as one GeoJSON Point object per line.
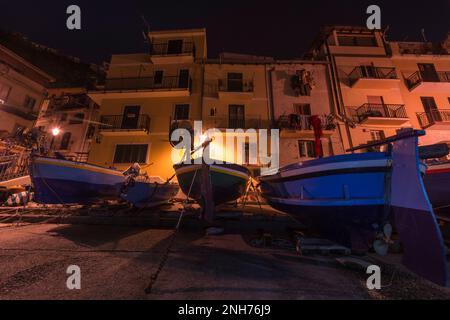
{"type": "Point", "coordinates": [69, 102]}
{"type": "Point", "coordinates": [120, 122]}
{"type": "Point", "coordinates": [249, 122]}
{"type": "Point", "coordinates": [368, 110]}
{"type": "Point", "coordinates": [302, 122]}
{"type": "Point", "coordinates": [418, 77]}
{"type": "Point", "coordinates": [427, 119]}
{"type": "Point", "coordinates": [163, 49]}
{"type": "Point", "coordinates": [368, 72]}
{"type": "Point", "coordinates": [228, 85]}
{"type": "Point", "coordinates": [147, 83]}
{"type": "Point", "coordinates": [13, 166]}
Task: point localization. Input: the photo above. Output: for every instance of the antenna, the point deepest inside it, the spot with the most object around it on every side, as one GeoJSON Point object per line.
{"type": "Point", "coordinates": [423, 35]}
{"type": "Point", "coordinates": [146, 31]}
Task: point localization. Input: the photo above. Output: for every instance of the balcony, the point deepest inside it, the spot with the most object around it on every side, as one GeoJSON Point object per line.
{"type": "Point", "coordinates": [176, 51]}
{"type": "Point", "coordinates": [249, 122]}
{"type": "Point", "coordinates": [379, 114]}
{"type": "Point", "coordinates": [235, 89]}
{"type": "Point", "coordinates": [435, 119]}
{"type": "Point", "coordinates": [299, 126]}
{"type": "Point", "coordinates": [21, 112]}
{"type": "Point", "coordinates": [143, 87]}
{"type": "Point", "coordinates": [368, 77]}
{"type": "Point", "coordinates": [69, 102]}
{"type": "Point", "coordinates": [438, 81]}
{"type": "Point", "coordinates": [119, 125]}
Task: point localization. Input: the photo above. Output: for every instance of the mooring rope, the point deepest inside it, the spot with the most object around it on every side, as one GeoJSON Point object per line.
{"type": "Point", "coordinates": [166, 253]}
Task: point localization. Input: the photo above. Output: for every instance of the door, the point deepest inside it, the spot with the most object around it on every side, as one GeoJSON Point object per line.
{"type": "Point", "coordinates": [235, 82]}
{"type": "Point", "coordinates": [431, 109]}
{"type": "Point", "coordinates": [376, 107]}
{"type": "Point", "coordinates": [183, 79]}
{"type": "Point", "coordinates": [369, 72]}
{"type": "Point", "coordinates": [130, 117]}
{"type": "Point", "coordinates": [236, 114]}
{"type": "Point", "coordinates": [174, 46]}
{"type": "Point", "coordinates": [428, 72]}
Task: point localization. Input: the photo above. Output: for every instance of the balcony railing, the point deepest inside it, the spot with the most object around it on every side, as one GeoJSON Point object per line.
{"type": "Point", "coordinates": [69, 102]}
{"type": "Point", "coordinates": [21, 112]}
{"type": "Point", "coordinates": [249, 122]}
{"type": "Point", "coordinates": [147, 83]}
{"type": "Point", "coordinates": [13, 166]}
{"type": "Point", "coordinates": [227, 85]}
{"type": "Point", "coordinates": [418, 77]}
{"type": "Point", "coordinates": [122, 123]}
{"type": "Point", "coordinates": [427, 119]}
{"type": "Point", "coordinates": [164, 49]}
{"type": "Point", "coordinates": [369, 110]}
{"type": "Point", "coordinates": [302, 122]}
{"type": "Point", "coordinates": [368, 72]}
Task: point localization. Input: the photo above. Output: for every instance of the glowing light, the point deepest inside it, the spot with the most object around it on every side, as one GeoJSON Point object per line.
{"type": "Point", "coordinates": [56, 131]}
{"type": "Point", "coordinates": [203, 138]}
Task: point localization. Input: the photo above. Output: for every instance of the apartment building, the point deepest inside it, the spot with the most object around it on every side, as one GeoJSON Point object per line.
{"type": "Point", "coordinates": [300, 94]}
{"type": "Point", "coordinates": [22, 90]}
{"type": "Point", "coordinates": [379, 86]}
{"type": "Point", "coordinates": [235, 97]}
{"type": "Point", "coordinates": [424, 68]}
{"type": "Point", "coordinates": [67, 118]}
{"type": "Point", "coordinates": [366, 86]}
{"type": "Point", "coordinates": [145, 96]}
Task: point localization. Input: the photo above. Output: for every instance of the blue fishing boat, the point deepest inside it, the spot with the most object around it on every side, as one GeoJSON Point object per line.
{"type": "Point", "coordinates": [437, 183]}
{"type": "Point", "coordinates": [146, 191]}
{"type": "Point", "coordinates": [58, 181]}
{"type": "Point", "coordinates": [228, 180]}
{"type": "Point", "coordinates": [354, 198]}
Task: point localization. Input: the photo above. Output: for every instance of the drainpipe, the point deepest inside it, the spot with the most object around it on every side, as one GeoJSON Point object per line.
{"type": "Point", "coordinates": [337, 92]}
{"type": "Point", "coordinates": [269, 82]}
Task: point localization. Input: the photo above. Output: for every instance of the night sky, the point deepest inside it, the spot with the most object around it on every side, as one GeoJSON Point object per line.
{"type": "Point", "coordinates": [279, 28]}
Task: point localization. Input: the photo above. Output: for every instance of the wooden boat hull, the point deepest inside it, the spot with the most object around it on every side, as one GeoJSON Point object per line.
{"type": "Point", "coordinates": [229, 181]}
{"type": "Point", "coordinates": [58, 181]}
{"type": "Point", "coordinates": [342, 197]}
{"type": "Point", "coordinates": [437, 183]}
{"type": "Point", "coordinates": [146, 194]}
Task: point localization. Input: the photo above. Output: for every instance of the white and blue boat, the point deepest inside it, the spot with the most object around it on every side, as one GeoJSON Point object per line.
{"type": "Point", "coordinates": [58, 181]}
{"type": "Point", "coordinates": [354, 198]}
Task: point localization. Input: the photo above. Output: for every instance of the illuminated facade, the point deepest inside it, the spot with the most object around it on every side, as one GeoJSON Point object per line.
{"type": "Point", "coordinates": [300, 90]}
{"type": "Point", "coordinates": [144, 97]}
{"type": "Point", "coordinates": [235, 96]}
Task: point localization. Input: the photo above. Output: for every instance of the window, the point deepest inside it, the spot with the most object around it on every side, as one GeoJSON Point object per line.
{"type": "Point", "coordinates": [65, 141]}
{"type": "Point", "coordinates": [306, 149]}
{"type": "Point", "coordinates": [77, 118]}
{"type": "Point", "coordinates": [174, 46]}
{"type": "Point", "coordinates": [63, 117]}
{"type": "Point", "coordinates": [131, 153]}
{"type": "Point", "coordinates": [212, 112]}
{"type": "Point", "coordinates": [235, 82]}
{"type": "Point", "coordinates": [29, 102]}
{"type": "Point", "coordinates": [377, 135]}
{"type": "Point", "coordinates": [158, 78]}
{"type": "Point", "coordinates": [357, 41]}
{"type": "Point", "coordinates": [4, 92]}
{"type": "Point", "coordinates": [181, 112]}
{"type": "Point", "coordinates": [236, 116]}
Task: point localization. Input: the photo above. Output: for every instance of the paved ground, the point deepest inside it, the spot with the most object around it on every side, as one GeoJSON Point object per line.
{"type": "Point", "coordinates": [117, 263]}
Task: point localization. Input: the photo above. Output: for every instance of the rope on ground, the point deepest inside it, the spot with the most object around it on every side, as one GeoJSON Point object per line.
{"type": "Point", "coordinates": [166, 253]}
